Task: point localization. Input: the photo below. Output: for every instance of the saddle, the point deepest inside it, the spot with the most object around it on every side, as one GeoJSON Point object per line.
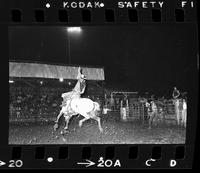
{"type": "Point", "coordinates": [70, 107]}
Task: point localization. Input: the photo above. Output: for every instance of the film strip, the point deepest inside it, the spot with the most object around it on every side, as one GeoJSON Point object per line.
{"type": "Point", "coordinates": [97, 157]}
{"type": "Point", "coordinates": [128, 140]}
{"type": "Point", "coordinates": [111, 13]}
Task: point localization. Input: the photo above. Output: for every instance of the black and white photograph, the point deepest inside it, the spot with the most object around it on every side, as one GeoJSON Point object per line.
{"type": "Point", "coordinates": [99, 84]}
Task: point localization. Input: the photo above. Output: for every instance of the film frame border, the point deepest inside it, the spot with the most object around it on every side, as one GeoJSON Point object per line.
{"type": "Point", "coordinates": [166, 150]}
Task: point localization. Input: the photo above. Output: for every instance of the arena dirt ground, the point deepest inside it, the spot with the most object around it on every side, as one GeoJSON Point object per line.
{"type": "Point", "coordinates": [115, 132]}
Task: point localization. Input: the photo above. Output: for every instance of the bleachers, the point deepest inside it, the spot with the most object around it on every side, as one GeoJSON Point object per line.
{"type": "Point", "coordinates": [40, 103]}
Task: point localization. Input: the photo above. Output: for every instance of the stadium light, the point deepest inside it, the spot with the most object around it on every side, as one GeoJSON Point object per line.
{"type": "Point", "coordinates": [61, 79]}
{"type": "Point", "coordinates": [11, 81]}
{"type": "Point", "coordinates": [74, 29]}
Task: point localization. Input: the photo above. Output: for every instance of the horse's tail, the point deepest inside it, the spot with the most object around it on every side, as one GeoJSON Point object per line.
{"type": "Point", "coordinates": [97, 106]}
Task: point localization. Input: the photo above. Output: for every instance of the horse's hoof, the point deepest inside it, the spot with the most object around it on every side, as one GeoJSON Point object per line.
{"type": "Point", "coordinates": [101, 130]}
{"type": "Point", "coordinates": [55, 127]}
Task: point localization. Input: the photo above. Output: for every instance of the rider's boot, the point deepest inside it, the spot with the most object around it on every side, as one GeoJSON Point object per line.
{"type": "Point", "coordinates": [63, 104]}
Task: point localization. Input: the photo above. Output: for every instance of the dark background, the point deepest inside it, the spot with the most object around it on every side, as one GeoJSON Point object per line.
{"type": "Point", "coordinates": [136, 58]}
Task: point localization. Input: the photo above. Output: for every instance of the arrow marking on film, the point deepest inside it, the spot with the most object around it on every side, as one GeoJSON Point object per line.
{"type": "Point", "coordinates": [147, 162]}
{"type": "Point", "coordinates": [88, 163]}
{"type": "Point", "coordinates": [2, 163]}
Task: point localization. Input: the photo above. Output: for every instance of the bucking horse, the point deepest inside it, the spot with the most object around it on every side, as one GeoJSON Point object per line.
{"type": "Point", "coordinates": [82, 106]}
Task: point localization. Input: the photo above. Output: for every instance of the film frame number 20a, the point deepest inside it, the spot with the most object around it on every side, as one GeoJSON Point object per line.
{"type": "Point", "coordinates": [99, 84]}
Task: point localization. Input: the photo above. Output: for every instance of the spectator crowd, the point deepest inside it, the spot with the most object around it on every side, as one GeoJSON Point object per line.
{"type": "Point", "coordinates": [37, 103]}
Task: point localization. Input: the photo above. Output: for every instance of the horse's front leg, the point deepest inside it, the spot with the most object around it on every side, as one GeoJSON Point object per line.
{"type": "Point", "coordinates": [56, 122]}
{"type": "Point", "coordinates": [58, 117]}
{"type": "Point", "coordinates": [86, 117]}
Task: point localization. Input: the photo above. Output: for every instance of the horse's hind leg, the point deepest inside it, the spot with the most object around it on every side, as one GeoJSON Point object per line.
{"type": "Point", "coordinates": [99, 123]}
{"type": "Point", "coordinates": [84, 119]}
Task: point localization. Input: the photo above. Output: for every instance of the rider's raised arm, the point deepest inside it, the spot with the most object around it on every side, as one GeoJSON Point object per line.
{"type": "Point", "coordinates": [79, 73]}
